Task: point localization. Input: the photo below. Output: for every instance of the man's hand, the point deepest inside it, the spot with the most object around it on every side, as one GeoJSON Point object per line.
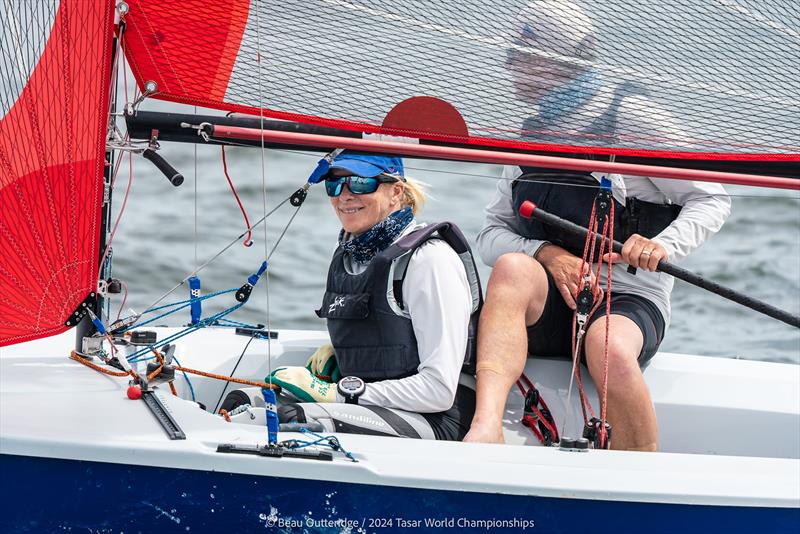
{"type": "Point", "coordinates": [303, 385]}
{"type": "Point", "coordinates": [565, 269]}
{"type": "Point", "coordinates": [323, 364]}
{"type": "Point", "coordinates": [641, 252]}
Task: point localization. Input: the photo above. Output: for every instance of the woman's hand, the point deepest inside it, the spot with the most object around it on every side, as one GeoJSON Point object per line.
{"type": "Point", "coordinates": [640, 252]}
{"type": "Point", "coordinates": [323, 364]}
{"type": "Point", "coordinates": [301, 384]}
{"type": "Point", "coordinates": [565, 269]}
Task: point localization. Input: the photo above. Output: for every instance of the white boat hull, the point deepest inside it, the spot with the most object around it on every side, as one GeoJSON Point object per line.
{"type": "Point", "coordinates": [730, 441]}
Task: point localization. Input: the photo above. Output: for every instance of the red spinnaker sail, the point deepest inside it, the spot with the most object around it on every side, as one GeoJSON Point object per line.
{"type": "Point", "coordinates": [56, 61]}
{"type": "Point", "coordinates": [689, 79]}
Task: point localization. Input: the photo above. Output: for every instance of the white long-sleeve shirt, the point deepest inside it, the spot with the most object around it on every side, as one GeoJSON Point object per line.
{"type": "Point", "coordinates": [437, 296]}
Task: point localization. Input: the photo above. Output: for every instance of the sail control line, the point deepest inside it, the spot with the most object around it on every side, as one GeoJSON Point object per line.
{"type": "Point", "coordinates": [588, 300]}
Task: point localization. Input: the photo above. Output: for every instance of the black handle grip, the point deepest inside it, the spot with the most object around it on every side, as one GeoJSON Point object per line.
{"type": "Point", "coordinates": [174, 177]}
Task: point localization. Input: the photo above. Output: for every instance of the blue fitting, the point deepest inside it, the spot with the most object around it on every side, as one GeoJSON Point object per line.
{"type": "Point", "coordinates": [98, 324]}
{"type": "Point", "coordinates": [253, 278]}
{"type": "Point", "coordinates": [194, 295]}
{"type": "Point", "coordinates": [272, 415]}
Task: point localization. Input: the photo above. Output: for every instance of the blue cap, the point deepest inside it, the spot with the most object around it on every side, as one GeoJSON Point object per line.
{"type": "Point", "coordinates": [366, 165]}
{"type": "Point", "coordinates": [358, 164]}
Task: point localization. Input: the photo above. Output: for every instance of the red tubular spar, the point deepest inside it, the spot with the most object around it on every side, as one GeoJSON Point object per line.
{"type": "Point", "coordinates": [504, 158]}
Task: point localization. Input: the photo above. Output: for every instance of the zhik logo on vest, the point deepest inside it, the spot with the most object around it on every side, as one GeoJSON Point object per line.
{"type": "Point", "coordinates": [337, 303]}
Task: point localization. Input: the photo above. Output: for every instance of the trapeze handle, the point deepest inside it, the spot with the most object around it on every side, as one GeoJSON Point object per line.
{"type": "Point", "coordinates": [174, 177]}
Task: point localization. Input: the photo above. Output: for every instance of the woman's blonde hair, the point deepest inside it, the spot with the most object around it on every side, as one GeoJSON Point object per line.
{"type": "Point", "coordinates": [414, 194]}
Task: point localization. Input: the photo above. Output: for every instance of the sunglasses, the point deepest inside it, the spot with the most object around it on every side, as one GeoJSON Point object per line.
{"type": "Point", "coordinates": [358, 185]}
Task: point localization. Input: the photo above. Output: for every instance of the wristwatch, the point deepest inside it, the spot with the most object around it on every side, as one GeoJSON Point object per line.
{"type": "Point", "coordinates": [351, 388]}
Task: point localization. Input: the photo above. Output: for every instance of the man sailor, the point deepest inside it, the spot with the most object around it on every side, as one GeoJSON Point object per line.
{"type": "Point", "coordinates": [536, 272]}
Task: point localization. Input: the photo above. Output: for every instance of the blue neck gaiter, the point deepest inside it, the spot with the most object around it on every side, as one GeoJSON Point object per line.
{"type": "Point", "coordinates": [562, 102]}
{"type": "Point", "coordinates": [364, 247]}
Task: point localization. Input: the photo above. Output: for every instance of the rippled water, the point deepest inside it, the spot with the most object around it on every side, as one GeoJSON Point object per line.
{"type": "Point", "coordinates": [757, 252]}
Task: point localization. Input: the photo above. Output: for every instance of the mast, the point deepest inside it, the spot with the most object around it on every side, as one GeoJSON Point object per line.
{"type": "Point", "coordinates": [85, 327]}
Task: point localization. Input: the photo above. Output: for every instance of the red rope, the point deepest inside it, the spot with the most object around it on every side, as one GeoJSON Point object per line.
{"type": "Point", "coordinates": [606, 240]}
{"type": "Point", "coordinates": [248, 241]}
{"type": "Point", "coordinates": [586, 262]}
{"type": "Point", "coordinates": [604, 400]}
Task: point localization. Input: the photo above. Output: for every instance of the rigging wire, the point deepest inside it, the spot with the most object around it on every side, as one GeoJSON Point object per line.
{"type": "Point", "coordinates": [217, 255]}
{"type": "Point", "coordinates": [121, 210]}
{"type": "Point", "coordinates": [238, 361]}
{"type": "Point", "coordinates": [195, 201]}
{"type": "Point", "coordinates": [264, 183]}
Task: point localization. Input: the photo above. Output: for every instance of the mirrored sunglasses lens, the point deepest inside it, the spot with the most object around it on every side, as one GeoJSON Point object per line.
{"type": "Point", "coordinates": [362, 186]}
{"type": "Point", "coordinates": [334, 187]}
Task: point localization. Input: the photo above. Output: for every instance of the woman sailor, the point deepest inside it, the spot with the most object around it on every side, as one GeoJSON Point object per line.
{"type": "Point", "coordinates": [401, 305]}
{"type": "Point", "coordinates": [532, 291]}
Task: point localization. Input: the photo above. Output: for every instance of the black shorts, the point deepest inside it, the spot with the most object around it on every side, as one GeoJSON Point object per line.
{"type": "Point", "coordinates": [552, 333]}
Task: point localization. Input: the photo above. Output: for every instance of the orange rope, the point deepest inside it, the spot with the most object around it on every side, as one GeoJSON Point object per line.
{"type": "Point", "coordinates": [224, 413]}
{"type": "Point", "coordinates": [74, 356]}
{"type": "Point", "coordinates": [263, 385]}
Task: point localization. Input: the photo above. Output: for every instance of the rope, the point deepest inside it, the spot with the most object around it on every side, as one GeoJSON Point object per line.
{"type": "Point", "coordinates": [75, 356]}
{"type": "Point", "coordinates": [249, 239]}
{"type": "Point", "coordinates": [587, 260]}
{"type": "Point", "coordinates": [160, 358]}
{"type": "Point", "coordinates": [217, 255]}
{"type": "Point", "coordinates": [262, 385]}
{"type": "Point", "coordinates": [604, 399]}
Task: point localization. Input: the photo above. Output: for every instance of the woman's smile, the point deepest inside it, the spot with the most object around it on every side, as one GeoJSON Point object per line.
{"type": "Point", "coordinates": [349, 210]}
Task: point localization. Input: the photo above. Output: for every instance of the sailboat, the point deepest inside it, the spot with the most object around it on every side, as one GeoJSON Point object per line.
{"type": "Point", "coordinates": [80, 450]}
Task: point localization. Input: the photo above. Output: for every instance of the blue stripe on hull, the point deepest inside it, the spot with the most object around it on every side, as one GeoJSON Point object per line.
{"type": "Point", "coordinates": [50, 495]}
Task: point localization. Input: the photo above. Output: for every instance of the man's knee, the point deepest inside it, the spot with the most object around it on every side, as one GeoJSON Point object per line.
{"type": "Point", "coordinates": [518, 278]}
{"type": "Point", "coordinates": [622, 353]}
{"type": "Point", "coordinates": [519, 273]}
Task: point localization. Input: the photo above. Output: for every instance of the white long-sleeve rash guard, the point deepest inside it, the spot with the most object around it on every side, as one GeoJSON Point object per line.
{"type": "Point", "coordinates": [437, 296]}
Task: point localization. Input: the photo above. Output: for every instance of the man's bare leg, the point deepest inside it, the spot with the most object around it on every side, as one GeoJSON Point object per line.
{"type": "Point", "coordinates": [630, 409]}
{"type": "Point", "coordinates": [515, 298]}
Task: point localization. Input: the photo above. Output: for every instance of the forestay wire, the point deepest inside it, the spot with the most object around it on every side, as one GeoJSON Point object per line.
{"type": "Point", "coordinates": [264, 185]}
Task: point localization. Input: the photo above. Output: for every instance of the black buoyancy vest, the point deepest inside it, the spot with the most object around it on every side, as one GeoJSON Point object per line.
{"type": "Point", "coordinates": [570, 194]}
{"type": "Point", "coordinates": [369, 328]}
